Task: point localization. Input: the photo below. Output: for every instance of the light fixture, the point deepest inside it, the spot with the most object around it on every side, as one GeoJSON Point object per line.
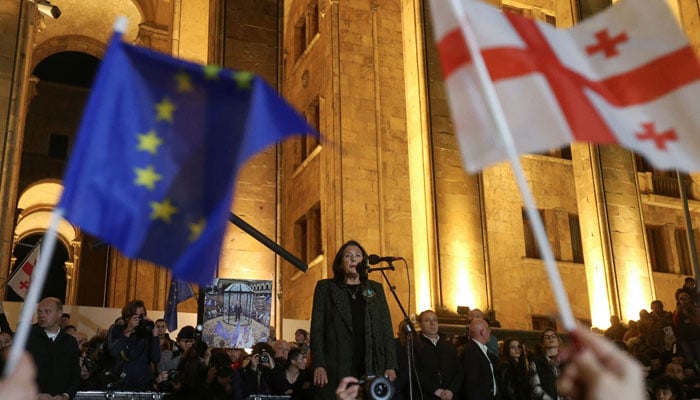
{"type": "Point", "coordinates": [46, 8]}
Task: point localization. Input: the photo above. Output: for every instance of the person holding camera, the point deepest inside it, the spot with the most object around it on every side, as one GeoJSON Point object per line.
{"type": "Point", "coordinates": [170, 359]}
{"type": "Point", "coordinates": [257, 375]}
{"type": "Point", "coordinates": [135, 346]}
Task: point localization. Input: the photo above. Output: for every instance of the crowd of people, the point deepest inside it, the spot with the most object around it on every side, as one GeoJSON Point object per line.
{"type": "Point", "coordinates": [351, 353]}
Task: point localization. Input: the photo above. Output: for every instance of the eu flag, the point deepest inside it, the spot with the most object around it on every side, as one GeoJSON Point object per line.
{"type": "Point", "coordinates": [158, 151]}
{"type": "Point", "coordinates": [179, 291]}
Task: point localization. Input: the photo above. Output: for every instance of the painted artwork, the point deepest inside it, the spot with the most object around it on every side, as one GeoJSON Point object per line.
{"type": "Point", "coordinates": [236, 313]}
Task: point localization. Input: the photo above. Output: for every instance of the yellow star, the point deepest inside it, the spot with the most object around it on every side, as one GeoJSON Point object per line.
{"type": "Point", "coordinates": [243, 79]}
{"type": "Point", "coordinates": [184, 83]}
{"type": "Point", "coordinates": [149, 141]}
{"type": "Point", "coordinates": [165, 110]}
{"type": "Point", "coordinates": [211, 72]}
{"type": "Point", "coordinates": [196, 229]}
{"type": "Point", "coordinates": [163, 210]}
{"type": "Point", "coordinates": [147, 177]}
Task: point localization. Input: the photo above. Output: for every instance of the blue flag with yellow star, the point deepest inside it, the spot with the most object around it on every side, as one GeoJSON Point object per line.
{"type": "Point", "coordinates": [157, 154]}
{"type": "Point", "coordinates": [179, 291]}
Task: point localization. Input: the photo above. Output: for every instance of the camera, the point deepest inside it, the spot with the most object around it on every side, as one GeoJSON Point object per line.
{"type": "Point", "coordinates": [264, 358]}
{"type": "Point", "coordinates": [174, 376]}
{"type": "Point", "coordinates": [145, 327]}
{"type": "Point", "coordinates": [376, 387]}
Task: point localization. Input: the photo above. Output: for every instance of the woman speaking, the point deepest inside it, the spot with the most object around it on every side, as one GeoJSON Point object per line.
{"type": "Point", "coordinates": [351, 330]}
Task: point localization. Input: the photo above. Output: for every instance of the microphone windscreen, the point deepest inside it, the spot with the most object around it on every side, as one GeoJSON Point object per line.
{"type": "Point", "coordinates": [373, 259]}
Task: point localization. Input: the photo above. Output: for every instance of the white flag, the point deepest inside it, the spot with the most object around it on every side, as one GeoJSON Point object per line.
{"type": "Point", "coordinates": [626, 75]}
{"type": "Point", "coordinates": [23, 274]}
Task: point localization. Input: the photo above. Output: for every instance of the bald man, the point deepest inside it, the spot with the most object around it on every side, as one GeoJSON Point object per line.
{"type": "Point", "coordinates": [55, 353]}
{"type": "Point", "coordinates": [478, 366]}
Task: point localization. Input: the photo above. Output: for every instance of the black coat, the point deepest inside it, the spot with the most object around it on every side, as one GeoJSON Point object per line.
{"type": "Point", "coordinates": [437, 367]}
{"type": "Point", "coordinates": [478, 377]}
{"type": "Point", "coordinates": [332, 332]}
{"type": "Point", "coordinates": [57, 361]}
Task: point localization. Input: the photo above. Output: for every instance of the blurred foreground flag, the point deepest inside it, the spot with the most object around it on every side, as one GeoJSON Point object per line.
{"type": "Point", "coordinates": [158, 151]}
{"type": "Point", "coordinates": [626, 75]}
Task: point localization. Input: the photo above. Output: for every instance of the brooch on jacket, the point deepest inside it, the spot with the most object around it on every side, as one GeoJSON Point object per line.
{"type": "Point", "coordinates": [369, 292]}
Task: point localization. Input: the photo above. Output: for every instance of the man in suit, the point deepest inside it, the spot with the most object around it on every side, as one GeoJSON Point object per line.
{"type": "Point", "coordinates": [436, 363]}
{"type": "Point", "coordinates": [478, 364]}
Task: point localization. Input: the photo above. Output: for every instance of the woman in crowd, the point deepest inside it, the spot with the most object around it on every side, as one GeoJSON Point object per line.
{"type": "Point", "coordinates": [351, 332]}
{"type": "Point", "coordinates": [514, 371]}
{"type": "Point", "coordinates": [293, 380]}
{"type": "Point", "coordinates": [545, 367]}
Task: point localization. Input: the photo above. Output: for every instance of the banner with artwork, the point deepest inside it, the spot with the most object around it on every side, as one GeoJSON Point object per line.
{"type": "Point", "coordinates": [236, 313]}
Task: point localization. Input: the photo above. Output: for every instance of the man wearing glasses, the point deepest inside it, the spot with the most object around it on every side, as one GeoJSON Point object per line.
{"type": "Point", "coordinates": [136, 347]}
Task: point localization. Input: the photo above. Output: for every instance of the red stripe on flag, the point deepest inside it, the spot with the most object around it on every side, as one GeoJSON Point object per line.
{"type": "Point", "coordinates": [27, 268]}
{"type": "Point", "coordinates": [585, 122]}
{"type": "Point", "coordinates": [453, 52]}
{"type": "Point", "coordinates": [652, 80]}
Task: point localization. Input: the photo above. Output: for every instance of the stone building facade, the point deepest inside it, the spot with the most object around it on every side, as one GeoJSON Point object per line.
{"type": "Point", "coordinates": [387, 172]}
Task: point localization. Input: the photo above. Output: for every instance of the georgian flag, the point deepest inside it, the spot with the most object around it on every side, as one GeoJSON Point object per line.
{"type": "Point", "coordinates": [19, 282]}
{"type": "Point", "coordinates": [626, 75]}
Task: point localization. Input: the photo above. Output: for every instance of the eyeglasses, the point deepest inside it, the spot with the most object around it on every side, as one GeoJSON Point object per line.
{"type": "Point", "coordinates": [549, 337]}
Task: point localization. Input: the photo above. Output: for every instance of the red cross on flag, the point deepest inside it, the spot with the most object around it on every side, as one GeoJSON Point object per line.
{"type": "Point", "coordinates": [19, 282]}
{"type": "Point", "coordinates": [626, 75]}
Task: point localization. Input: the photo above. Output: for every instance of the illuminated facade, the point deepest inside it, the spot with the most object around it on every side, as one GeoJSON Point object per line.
{"type": "Point", "coordinates": [388, 173]}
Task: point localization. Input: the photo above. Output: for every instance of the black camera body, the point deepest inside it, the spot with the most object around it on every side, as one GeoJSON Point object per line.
{"type": "Point", "coordinates": [376, 387]}
{"type": "Point", "coordinates": [144, 328]}
{"type": "Point", "coordinates": [264, 358]}
{"type": "Point", "coordinates": [174, 376]}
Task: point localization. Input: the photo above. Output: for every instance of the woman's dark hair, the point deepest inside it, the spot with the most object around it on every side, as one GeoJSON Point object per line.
{"type": "Point", "coordinates": [294, 353]}
{"type": "Point", "coordinates": [669, 383]}
{"type": "Point", "coordinates": [338, 273]}
{"type": "Point", "coordinates": [521, 364]}
{"type": "Point", "coordinates": [131, 307]}
{"type": "Point", "coordinates": [219, 358]}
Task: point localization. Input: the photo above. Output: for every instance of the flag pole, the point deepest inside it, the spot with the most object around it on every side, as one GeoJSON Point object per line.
{"type": "Point", "coordinates": [499, 118]}
{"type": "Point", "coordinates": [688, 225]}
{"type": "Point", "coordinates": [35, 288]}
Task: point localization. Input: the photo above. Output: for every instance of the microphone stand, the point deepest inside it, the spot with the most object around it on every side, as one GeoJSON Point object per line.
{"type": "Point", "coordinates": [408, 329]}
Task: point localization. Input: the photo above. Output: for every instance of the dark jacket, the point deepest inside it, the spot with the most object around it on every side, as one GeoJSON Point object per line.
{"type": "Point", "coordinates": [332, 332]}
{"type": "Point", "coordinates": [437, 367]}
{"type": "Point", "coordinates": [57, 361]}
{"type": "Point", "coordinates": [547, 374]}
{"type": "Point", "coordinates": [478, 376]}
{"type": "Point", "coordinates": [135, 356]}
{"type": "Point", "coordinates": [513, 383]}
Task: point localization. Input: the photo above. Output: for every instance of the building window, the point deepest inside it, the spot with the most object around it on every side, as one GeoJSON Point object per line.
{"type": "Point", "coordinates": [576, 243]}
{"type": "Point", "coordinates": [300, 38]}
{"type": "Point", "coordinates": [305, 145]}
{"type": "Point", "coordinates": [58, 146]}
{"type": "Point", "coordinates": [307, 234]}
{"type": "Point", "coordinates": [542, 322]}
{"type": "Point", "coordinates": [657, 248]}
{"type": "Point", "coordinates": [531, 248]}
{"type": "Point", "coordinates": [313, 20]}
{"type": "Point", "coordinates": [683, 251]}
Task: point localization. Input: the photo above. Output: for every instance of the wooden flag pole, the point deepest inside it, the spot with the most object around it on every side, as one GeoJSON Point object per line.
{"type": "Point", "coordinates": [499, 118]}
{"type": "Point", "coordinates": [36, 286]}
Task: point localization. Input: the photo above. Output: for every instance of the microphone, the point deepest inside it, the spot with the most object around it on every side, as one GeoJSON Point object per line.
{"type": "Point", "coordinates": [374, 259]}
{"type": "Point", "coordinates": [390, 268]}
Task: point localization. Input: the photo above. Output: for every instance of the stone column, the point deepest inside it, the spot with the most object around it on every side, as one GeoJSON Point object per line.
{"type": "Point", "coordinates": [17, 28]}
